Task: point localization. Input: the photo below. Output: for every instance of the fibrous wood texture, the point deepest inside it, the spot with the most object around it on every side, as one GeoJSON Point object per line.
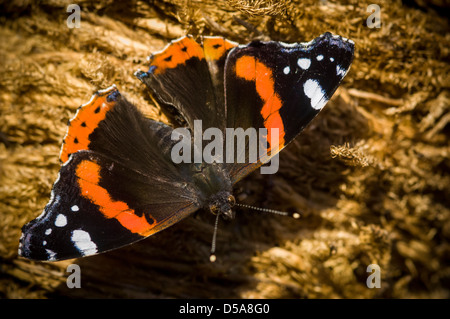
{"type": "Point", "coordinates": [370, 174]}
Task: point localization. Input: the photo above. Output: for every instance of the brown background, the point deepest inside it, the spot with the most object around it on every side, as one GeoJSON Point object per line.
{"type": "Point", "coordinates": [370, 174]}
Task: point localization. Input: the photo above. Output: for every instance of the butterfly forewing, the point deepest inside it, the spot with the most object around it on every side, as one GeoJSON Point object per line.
{"type": "Point", "coordinates": [281, 88]}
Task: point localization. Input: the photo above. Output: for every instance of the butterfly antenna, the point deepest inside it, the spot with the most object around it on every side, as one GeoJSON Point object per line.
{"type": "Point", "coordinates": [212, 256]}
{"type": "Point", "coordinates": [272, 211]}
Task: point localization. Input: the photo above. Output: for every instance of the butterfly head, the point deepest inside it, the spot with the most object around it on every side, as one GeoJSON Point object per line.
{"type": "Point", "coordinates": [222, 204]}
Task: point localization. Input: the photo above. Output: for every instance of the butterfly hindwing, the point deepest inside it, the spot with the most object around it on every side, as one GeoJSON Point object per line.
{"type": "Point", "coordinates": [112, 126]}
{"type": "Point", "coordinates": [189, 76]}
{"type": "Point", "coordinates": [86, 120]}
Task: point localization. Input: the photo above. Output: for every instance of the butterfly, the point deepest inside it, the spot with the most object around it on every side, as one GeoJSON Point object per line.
{"type": "Point", "coordinates": [119, 183]}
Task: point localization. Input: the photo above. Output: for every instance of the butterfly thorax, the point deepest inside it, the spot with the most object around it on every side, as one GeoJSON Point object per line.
{"type": "Point", "coordinates": [215, 189]}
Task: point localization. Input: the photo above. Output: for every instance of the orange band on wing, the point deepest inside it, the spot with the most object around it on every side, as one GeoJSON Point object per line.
{"type": "Point", "coordinates": [250, 69]}
{"type": "Point", "coordinates": [176, 53]}
{"type": "Point", "coordinates": [88, 174]}
{"type": "Point", "coordinates": [85, 122]}
{"type": "Point", "coordinates": [215, 48]}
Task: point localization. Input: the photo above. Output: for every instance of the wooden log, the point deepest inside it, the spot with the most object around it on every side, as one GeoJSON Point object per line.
{"type": "Point", "coordinates": [393, 212]}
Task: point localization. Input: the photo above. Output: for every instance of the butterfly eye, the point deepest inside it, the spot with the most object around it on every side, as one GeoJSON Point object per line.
{"type": "Point", "coordinates": [231, 200]}
{"type": "Point", "coordinates": [214, 209]}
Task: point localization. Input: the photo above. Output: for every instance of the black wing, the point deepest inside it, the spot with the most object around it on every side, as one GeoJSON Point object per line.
{"type": "Point", "coordinates": [281, 88]}
{"type": "Point", "coordinates": [189, 76]}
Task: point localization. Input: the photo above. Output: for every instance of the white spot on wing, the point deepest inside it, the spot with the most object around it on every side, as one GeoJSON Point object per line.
{"type": "Point", "coordinates": [61, 220]}
{"type": "Point", "coordinates": [314, 91]}
{"type": "Point", "coordinates": [304, 63]}
{"type": "Point", "coordinates": [319, 57]}
{"type": "Point", "coordinates": [48, 231]}
{"type": "Point", "coordinates": [340, 71]}
{"type": "Point", "coordinates": [74, 208]}
{"type": "Point", "coordinates": [286, 70]}
{"type": "Point", "coordinates": [82, 241]}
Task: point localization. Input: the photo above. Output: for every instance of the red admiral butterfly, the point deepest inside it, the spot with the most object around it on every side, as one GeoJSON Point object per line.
{"type": "Point", "coordinates": [118, 183]}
